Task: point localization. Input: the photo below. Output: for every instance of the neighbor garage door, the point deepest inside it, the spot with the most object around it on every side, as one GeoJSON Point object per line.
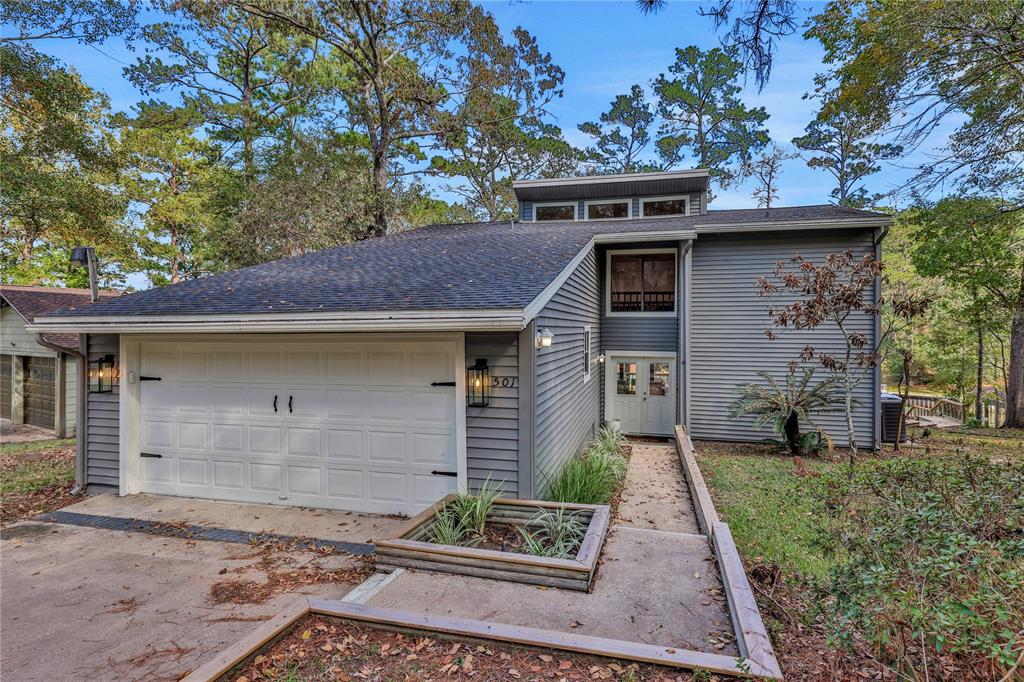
{"type": "Point", "coordinates": [343, 424]}
{"type": "Point", "coordinates": [39, 393]}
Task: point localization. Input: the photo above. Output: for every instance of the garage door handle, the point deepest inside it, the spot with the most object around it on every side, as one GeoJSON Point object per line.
{"type": "Point", "coordinates": [445, 473]}
{"type": "Point", "coordinates": [150, 454]}
{"type": "Point", "coordinates": [145, 378]}
{"type": "Point", "coordinates": [275, 403]}
{"type": "Point", "coordinates": [289, 404]}
{"type": "Point", "coordinates": [442, 383]}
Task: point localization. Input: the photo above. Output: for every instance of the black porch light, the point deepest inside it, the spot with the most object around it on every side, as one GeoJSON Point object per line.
{"type": "Point", "coordinates": [102, 374]}
{"type": "Point", "coordinates": [478, 384]}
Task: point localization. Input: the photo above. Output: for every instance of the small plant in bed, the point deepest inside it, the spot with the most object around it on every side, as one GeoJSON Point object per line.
{"type": "Point", "coordinates": [594, 477]}
{"type": "Point", "coordinates": [463, 521]}
{"type": "Point", "coordinates": [556, 534]}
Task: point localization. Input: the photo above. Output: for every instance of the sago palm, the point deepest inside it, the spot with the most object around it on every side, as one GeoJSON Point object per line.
{"type": "Point", "coordinates": [785, 406]}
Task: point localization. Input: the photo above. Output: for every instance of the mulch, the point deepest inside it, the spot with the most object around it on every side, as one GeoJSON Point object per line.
{"type": "Point", "coordinates": [324, 648]}
{"type": "Point", "coordinates": [18, 506]}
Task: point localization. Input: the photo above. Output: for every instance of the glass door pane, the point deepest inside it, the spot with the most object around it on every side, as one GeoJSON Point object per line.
{"type": "Point", "coordinates": [659, 378]}
{"type": "Point", "coordinates": [625, 378]}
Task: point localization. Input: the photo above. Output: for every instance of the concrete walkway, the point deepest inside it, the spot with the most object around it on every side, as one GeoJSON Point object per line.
{"type": "Point", "coordinates": [657, 583]}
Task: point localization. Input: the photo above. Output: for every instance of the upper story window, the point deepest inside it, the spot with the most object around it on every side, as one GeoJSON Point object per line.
{"type": "Point", "coordinates": [560, 211]}
{"type": "Point", "coordinates": [607, 210]}
{"type": "Point", "coordinates": [658, 207]}
{"type": "Point", "coordinates": [642, 282]}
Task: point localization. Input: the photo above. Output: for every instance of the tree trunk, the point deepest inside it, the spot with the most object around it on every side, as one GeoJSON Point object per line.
{"type": "Point", "coordinates": [981, 376]}
{"type": "Point", "coordinates": [792, 430]}
{"type": "Point", "coordinates": [908, 360]}
{"type": "Point", "coordinates": [1015, 380]}
{"type": "Point", "coordinates": [849, 420]}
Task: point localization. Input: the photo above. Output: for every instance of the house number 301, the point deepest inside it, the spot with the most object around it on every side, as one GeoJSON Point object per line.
{"type": "Point", "coordinates": [503, 382]}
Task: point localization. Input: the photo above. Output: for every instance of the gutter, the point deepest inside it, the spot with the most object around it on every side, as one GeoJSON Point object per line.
{"type": "Point", "coordinates": [80, 406]}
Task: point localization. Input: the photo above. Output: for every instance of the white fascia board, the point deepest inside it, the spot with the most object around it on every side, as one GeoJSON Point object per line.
{"type": "Point", "coordinates": [418, 320]}
{"type": "Point", "coordinates": [605, 179]}
{"type": "Point", "coordinates": [654, 236]}
{"type": "Point", "coordinates": [794, 225]}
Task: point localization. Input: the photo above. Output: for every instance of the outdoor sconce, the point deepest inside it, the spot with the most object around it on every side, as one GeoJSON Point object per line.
{"type": "Point", "coordinates": [478, 384]}
{"type": "Point", "coordinates": [102, 374]}
{"type": "Point", "coordinates": [544, 338]}
{"type": "Point", "coordinates": [600, 358]}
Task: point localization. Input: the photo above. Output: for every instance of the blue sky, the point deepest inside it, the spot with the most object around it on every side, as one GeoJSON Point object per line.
{"type": "Point", "coordinates": [604, 47]}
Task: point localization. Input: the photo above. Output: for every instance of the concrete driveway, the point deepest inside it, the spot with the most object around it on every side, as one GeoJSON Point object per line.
{"type": "Point", "coordinates": [87, 603]}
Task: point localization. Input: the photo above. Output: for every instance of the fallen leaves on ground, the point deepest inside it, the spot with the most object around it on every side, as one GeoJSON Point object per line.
{"type": "Point", "coordinates": [37, 484]}
{"type": "Point", "coordinates": [319, 647]}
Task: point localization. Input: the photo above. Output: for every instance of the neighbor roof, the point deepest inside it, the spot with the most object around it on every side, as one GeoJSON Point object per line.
{"type": "Point", "coordinates": [473, 266]}
{"type": "Point", "coordinates": [31, 302]}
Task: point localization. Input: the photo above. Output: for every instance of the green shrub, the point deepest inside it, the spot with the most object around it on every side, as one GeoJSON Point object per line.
{"type": "Point", "coordinates": [450, 529]}
{"type": "Point", "coordinates": [932, 561]}
{"type": "Point", "coordinates": [557, 533]}
{"type": "Point", "coordinates": [472, 510]}
{"type": "Point", "coordinates": [594, 477]}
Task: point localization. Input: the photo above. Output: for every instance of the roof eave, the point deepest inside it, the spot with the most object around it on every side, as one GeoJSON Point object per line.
{"type": "Point", "coordinates": [779, 226]}
{"type": "Point", "coordinates": [408, 320]}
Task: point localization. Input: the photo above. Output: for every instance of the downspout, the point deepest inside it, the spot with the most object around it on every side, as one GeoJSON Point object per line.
{"type": "Point", "coordinates": [80, 400]}
{"type": "Point", "coordinates": [876, 402]}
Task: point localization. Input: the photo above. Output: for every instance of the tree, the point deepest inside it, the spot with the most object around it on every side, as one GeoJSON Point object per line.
{"type": "Point", "coordinates": [621, 135]}
{"type": "Point", "coordinates": [835, 293]}
{"type": "Point", "coordinates": [57, 167]}
{"type": "Point", "coordinates": [170, 173]}
{"type": "Point", "coordinates": [231, 67]}
{"type": "Point", "coordinates": [785, 406]}
{"type": "Point", "coordinates": [766, 169]}
{"type": "Point", "coordinates": [703, 116]}
{"type": "Point", "coordinates": [842, 145]}
{"type": "Point", "coordinates": [414, 67]}
{"type": "Point", "coordinates": [927, 65]}
{"type": "Point", "coordinates": [754, 30]}
{"type": "Point", "coordinates": [978, 245]}
{"type": "Point", "coordinates": [85, 21]}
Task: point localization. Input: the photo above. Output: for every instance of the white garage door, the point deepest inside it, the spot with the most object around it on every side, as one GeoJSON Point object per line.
{"type": "Point", "coordinates": [342, 424]}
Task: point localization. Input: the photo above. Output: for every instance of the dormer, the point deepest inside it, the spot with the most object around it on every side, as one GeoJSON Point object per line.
{"type": "Point", "coordinates": [613, 197]}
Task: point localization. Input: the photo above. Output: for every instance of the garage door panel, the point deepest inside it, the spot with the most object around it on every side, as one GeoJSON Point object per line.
{"type": "Point", "coordinates": [266, 477]}
{"type": "Point", "coordinates": [193, 436]}
{"type": "Point", "coordinates": [228, 474]}
{"type": "Point", "coordinates": [345, 483]}
{"type": "Point", "coordinates": [304, 480]}
{"type": "Point", "coordinates": [344, 444]}
{"type": "Point", "coordinates": [265, 440]}
{"type": "Point", "coordinates": [364, 432]}
{"type": "Point", "coordinates": [345, 404]}
{"type": "Point", "coordinates": [229, 438]}
{"type": "Point", "coordinates": [304, 442]}
{"type": "Point", "coordinates": [193, 472]}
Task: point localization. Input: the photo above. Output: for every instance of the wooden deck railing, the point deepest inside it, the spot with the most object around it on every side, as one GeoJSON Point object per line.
{"type": "Point", "coordinates": [935, 406]}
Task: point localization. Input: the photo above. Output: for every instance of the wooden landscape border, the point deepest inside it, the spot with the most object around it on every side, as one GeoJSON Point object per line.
{"type": "Point", "coordinates": [446, 626]}
{"type": "Point", "coordinates": [751, 636]}
{"type": "Point", "coordinates": [409, 550]}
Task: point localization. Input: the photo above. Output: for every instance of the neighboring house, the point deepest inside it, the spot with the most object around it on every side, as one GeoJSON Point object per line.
{"type": "Point", "coordinates": [340, 378]}
{"type": "Point", "coordinates": [39, 382]}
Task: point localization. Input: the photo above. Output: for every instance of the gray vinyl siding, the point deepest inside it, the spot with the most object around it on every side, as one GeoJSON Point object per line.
{"type": "Point", "coordinates": [492, 432]}
{"type": "Point", "coordinates": [102, 414]}
{"type": "Point", "coordinates": [728, 319]}
{"type": "Point", "coordinates": [697, 206]}
{"type": "Point", "coordinates": [567, 407]}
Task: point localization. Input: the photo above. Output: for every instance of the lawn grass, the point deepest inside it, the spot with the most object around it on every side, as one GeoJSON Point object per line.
{"type": "Point", "coordinates": [997, 444]}
{"type": "Point", "coordinates": [35, 477]}
{"type": "Point", "coordinates": [766, 504]}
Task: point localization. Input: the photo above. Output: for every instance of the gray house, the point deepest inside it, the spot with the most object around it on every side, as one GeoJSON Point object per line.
{"type": "Point", "coordinates": [351, 378]}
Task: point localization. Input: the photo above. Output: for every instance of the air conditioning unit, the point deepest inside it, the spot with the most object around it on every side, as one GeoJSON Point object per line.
{"type": "Point", "coordinates": [892, 410]}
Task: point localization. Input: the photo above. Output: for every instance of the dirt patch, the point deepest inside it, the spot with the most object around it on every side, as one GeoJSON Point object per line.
{"type": "Point", "coordinates": [281, 571]}
{"type": "Point", "coordinates": [502, 537]}
{"type": "Point", "coordinates": [322, 648]}
{"type": "Point", "coordinates": [36, 482]}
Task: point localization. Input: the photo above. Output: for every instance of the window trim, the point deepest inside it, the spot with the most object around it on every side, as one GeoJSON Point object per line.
{"type": "Point", "coordinates": [628, 201]}
{"type": "Point", "coordinates": [639, 252]}
{"type": "Point", "coordinates": [684, 197]}
{"type": "Point", "coordinates": [588, 354]}
{"type": "Point", "coordinates": [541, 204]}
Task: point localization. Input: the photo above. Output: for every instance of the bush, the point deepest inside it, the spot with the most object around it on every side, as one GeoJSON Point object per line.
{"type": "Point", "coordinates": [931, 562]}
{"type": "Point", "coordinates": [594, 477]}
{"type": "Point", "coordinates": [558, 534]}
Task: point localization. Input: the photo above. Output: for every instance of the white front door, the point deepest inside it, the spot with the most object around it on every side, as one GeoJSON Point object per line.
{"type": "Point", "coordinates": [641, 393]}
{"type": "Point", "coordinates": [342, 424]}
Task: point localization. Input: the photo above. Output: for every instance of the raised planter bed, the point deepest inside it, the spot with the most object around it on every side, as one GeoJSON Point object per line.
{"type": "Point", "coordinates": [412, 549]}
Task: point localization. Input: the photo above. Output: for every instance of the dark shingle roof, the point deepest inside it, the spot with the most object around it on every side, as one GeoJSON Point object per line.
{"type": "Point", "coordinates": [465, 266]}
{"type": "Point", "coordinates": [30, 302]}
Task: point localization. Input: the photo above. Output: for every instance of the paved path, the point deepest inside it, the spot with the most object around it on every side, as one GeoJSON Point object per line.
{"type": "Point", "coordinates": [657, 582]}
{"type": "Point", "coordinates": [655, 495]}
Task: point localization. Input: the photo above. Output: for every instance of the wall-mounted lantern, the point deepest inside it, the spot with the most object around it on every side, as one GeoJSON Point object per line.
{"type": "Point", "coordinates": [601, 358]}
{"type": "Point", "coordinates": [478, 384]}
{"type": "Point", "coordinates": [102, 374]}
{"type": "Point", "coordinates": [544, 338]}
